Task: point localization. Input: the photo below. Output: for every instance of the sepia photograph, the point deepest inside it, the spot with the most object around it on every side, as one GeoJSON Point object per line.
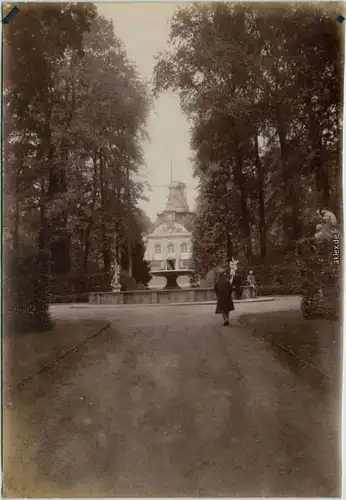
{"type": "Point", "coordinates": [172, 249]}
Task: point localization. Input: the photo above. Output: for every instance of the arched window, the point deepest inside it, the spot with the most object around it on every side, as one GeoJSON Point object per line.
{"type": "Point", "coordinates": [157, 248]}
{"type": "Point", "coordinates": [170, 248]}
{"type": "Point", "coordinates": [183, 248]}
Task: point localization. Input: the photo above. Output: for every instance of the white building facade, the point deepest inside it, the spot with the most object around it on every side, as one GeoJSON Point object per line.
{"type": "Point", "coordinates": [169, 246]}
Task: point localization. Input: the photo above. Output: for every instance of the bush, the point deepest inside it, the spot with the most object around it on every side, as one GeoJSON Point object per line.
{"type": "Point", "coordinates": [209, 280]}
{"type": "Point", "coordinates": [127, 282]}
{"type": "Point", "coordinates": [69, 299]}
{"type": "Point", "coordinates": [285, 276]}
{"type": "Point", "coordinates": [140, 286]}
{"type": "Point", "coordinates": [320, 278]}
{"type": "Point", "coordinates": [29, 292]}
{"type": "Point", "coordinates": [270, 279]}
{"type": "Point", "coordinates": [76, 285]}
{"type": "Point", "coordinates": [269, 290]}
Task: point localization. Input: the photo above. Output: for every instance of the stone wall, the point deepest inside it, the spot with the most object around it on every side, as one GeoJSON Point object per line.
{"type": "Point", "coordinates": [158, 296]}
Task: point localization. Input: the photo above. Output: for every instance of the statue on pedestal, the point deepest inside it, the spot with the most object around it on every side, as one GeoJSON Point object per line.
{"type": "Point", "coordinates": [327, 228]}
{"type": "Point", "coordinates": [115, 283]}
{"type": "Point", "coordinates": [233, 265]}
{"type": "Point", "coordinates": [319, 258]}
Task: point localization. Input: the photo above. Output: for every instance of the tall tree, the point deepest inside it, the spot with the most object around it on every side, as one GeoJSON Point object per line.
{"type": "Point", "coordinates": [37, 44]}
{"type": "Point", "coordinates": [81, 130]}
{"type": "Point", "coordinates": [271, 130]}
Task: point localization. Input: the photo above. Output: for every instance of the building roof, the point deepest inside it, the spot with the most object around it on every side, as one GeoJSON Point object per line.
{"type": "Point", "coordinates": [177, 201]}
{"type": "Point", "coordinates": [169, 229]}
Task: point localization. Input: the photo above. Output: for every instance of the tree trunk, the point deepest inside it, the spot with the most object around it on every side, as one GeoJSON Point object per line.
{"type": "Point", "coordinates": [129, 250]}
{"type": "Point", "coordinates": [43, 148]}
{"type": "Point", "coordinates": [59, 238]}
{"type": "Point", "coordinates": [262, 219]}
{"type": "Point", "coordinates": [229, 247]}
{"type": "Point", "coordinates": [129, 222]}
{"type": "Point", "coordinates": [86, 247]}
{"type": "Point", "coordinates": [117, 247]}
{"type": "Point", "coordinates": [42, 239]}
{"type": "Point", "coordinates": [90, 223]}
{"type": "Point", "coordinates": [228, 239]}
{"type": "Point", "coordinates": [57, 185]}
{"type": "Point", "coordinates": [106, 251]}
{"type": "Point", "coordinates": [15, 236]}
{"type": "Point", "coordinates": [291, 217]}
{"type": "Point", "coordinates": [241, 184]}
{"type": "Point", "coordinates": [321, 173]}
{"type": "Point", "coordinates": [61, 244]}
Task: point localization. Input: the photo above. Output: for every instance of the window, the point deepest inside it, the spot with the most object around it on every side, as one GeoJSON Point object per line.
{"type": "Point", "coordinates": [157, 248]}
{"type": "Point", "coordinates": [183, 248]}
{"type": "Point", "coordinates": [170, 248]}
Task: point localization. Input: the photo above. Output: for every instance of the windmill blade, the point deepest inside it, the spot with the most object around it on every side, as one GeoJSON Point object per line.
{"type": "Point", "coordinates": [167, 186]}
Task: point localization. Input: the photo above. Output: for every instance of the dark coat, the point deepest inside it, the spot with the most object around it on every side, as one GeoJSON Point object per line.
{"type": "Point", "coordinates": [223, 290]}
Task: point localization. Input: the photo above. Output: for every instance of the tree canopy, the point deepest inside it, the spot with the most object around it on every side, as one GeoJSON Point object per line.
{"type": "Point", "coordinates": [261, 85]}
{"type": "Point", "coordinates": [75, 115]}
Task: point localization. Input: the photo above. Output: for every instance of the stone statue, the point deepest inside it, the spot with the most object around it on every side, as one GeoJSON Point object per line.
{"type": "Point", "coordinates": [320, 276]}
{"type": "Point", "coordinates": [251, 281]}
{"type": "Point", "coordinates": [233, 265]}
{"type": "Point", "coordinates": [115, 284]}
{"type": "Point", "coordinates": [326, 230]}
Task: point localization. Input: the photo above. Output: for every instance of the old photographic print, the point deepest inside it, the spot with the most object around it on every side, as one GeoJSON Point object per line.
{"type": "Point", "coordinates": [172, 228]}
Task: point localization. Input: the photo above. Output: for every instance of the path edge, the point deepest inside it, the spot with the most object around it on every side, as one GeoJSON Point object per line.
{"type": "Point", "coordinates": [62, 355]}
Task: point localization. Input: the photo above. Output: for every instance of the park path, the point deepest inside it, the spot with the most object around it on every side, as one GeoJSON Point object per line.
{"type": "Point", "coordinates": [168, 402]}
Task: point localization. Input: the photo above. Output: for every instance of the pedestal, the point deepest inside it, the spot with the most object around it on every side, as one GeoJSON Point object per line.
{"type": "Point", "coordinates": [116, 288]}
{"type": "Point", "coordinates": [171, 281]}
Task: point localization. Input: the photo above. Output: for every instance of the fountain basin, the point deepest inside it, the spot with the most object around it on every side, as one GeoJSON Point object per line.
{"type": "Point", "coordinates": [171, 277]}
{"type": "Point", "coordinates": [164, 296]}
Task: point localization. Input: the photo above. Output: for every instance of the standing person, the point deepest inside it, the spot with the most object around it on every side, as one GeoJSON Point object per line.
{"type": "Point", "coordinates": [237, 284]}
{"type": "Point", "coordinates": [223, 290]}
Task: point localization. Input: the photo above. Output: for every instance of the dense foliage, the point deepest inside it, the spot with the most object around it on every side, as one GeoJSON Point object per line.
{"type": "Point", "coordinates": [29, 291]}
{"type": "Point", "coordinates": [75, 113]}
{"type": "Point", "coordinates": [262, 90]}
{"type": "Point", "coordinates": [320, 274]}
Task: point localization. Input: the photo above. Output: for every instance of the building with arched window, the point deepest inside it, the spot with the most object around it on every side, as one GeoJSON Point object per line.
{"type": "Point", "coordinates": [169, 245]}
{"type": "Point", "coordinates": [184, 248]}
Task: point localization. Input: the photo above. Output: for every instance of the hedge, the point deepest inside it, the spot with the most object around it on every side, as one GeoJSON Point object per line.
{"type": "Point", "coordinates": [28, 288]}
{"type": "Point", "coordinates": [75, 286]}
{"type": "Point", "coordinates": [268, 290]}
{"type": "Point", "coordinates": [321, 279]}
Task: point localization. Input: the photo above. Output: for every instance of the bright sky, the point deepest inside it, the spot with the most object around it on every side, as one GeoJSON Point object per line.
{"type": "Point", "coordinates": [144, 30]}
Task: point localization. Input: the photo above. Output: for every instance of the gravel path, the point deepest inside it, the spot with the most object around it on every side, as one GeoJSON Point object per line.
{"type": "Point", "coordinates": [168, 402]}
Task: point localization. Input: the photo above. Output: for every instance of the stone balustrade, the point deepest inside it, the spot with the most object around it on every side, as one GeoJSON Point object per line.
{"type": "Point", "coordinates": [179, 295]}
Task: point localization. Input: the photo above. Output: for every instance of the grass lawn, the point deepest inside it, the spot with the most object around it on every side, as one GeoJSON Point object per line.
{"type": "Point", "coordinates": [27, 353]}
{"type": "Point", "coordinates": [318, 342]}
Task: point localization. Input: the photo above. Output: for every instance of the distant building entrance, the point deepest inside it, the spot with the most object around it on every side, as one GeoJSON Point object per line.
{"type": "Point", "coordinates": [171, 264]}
